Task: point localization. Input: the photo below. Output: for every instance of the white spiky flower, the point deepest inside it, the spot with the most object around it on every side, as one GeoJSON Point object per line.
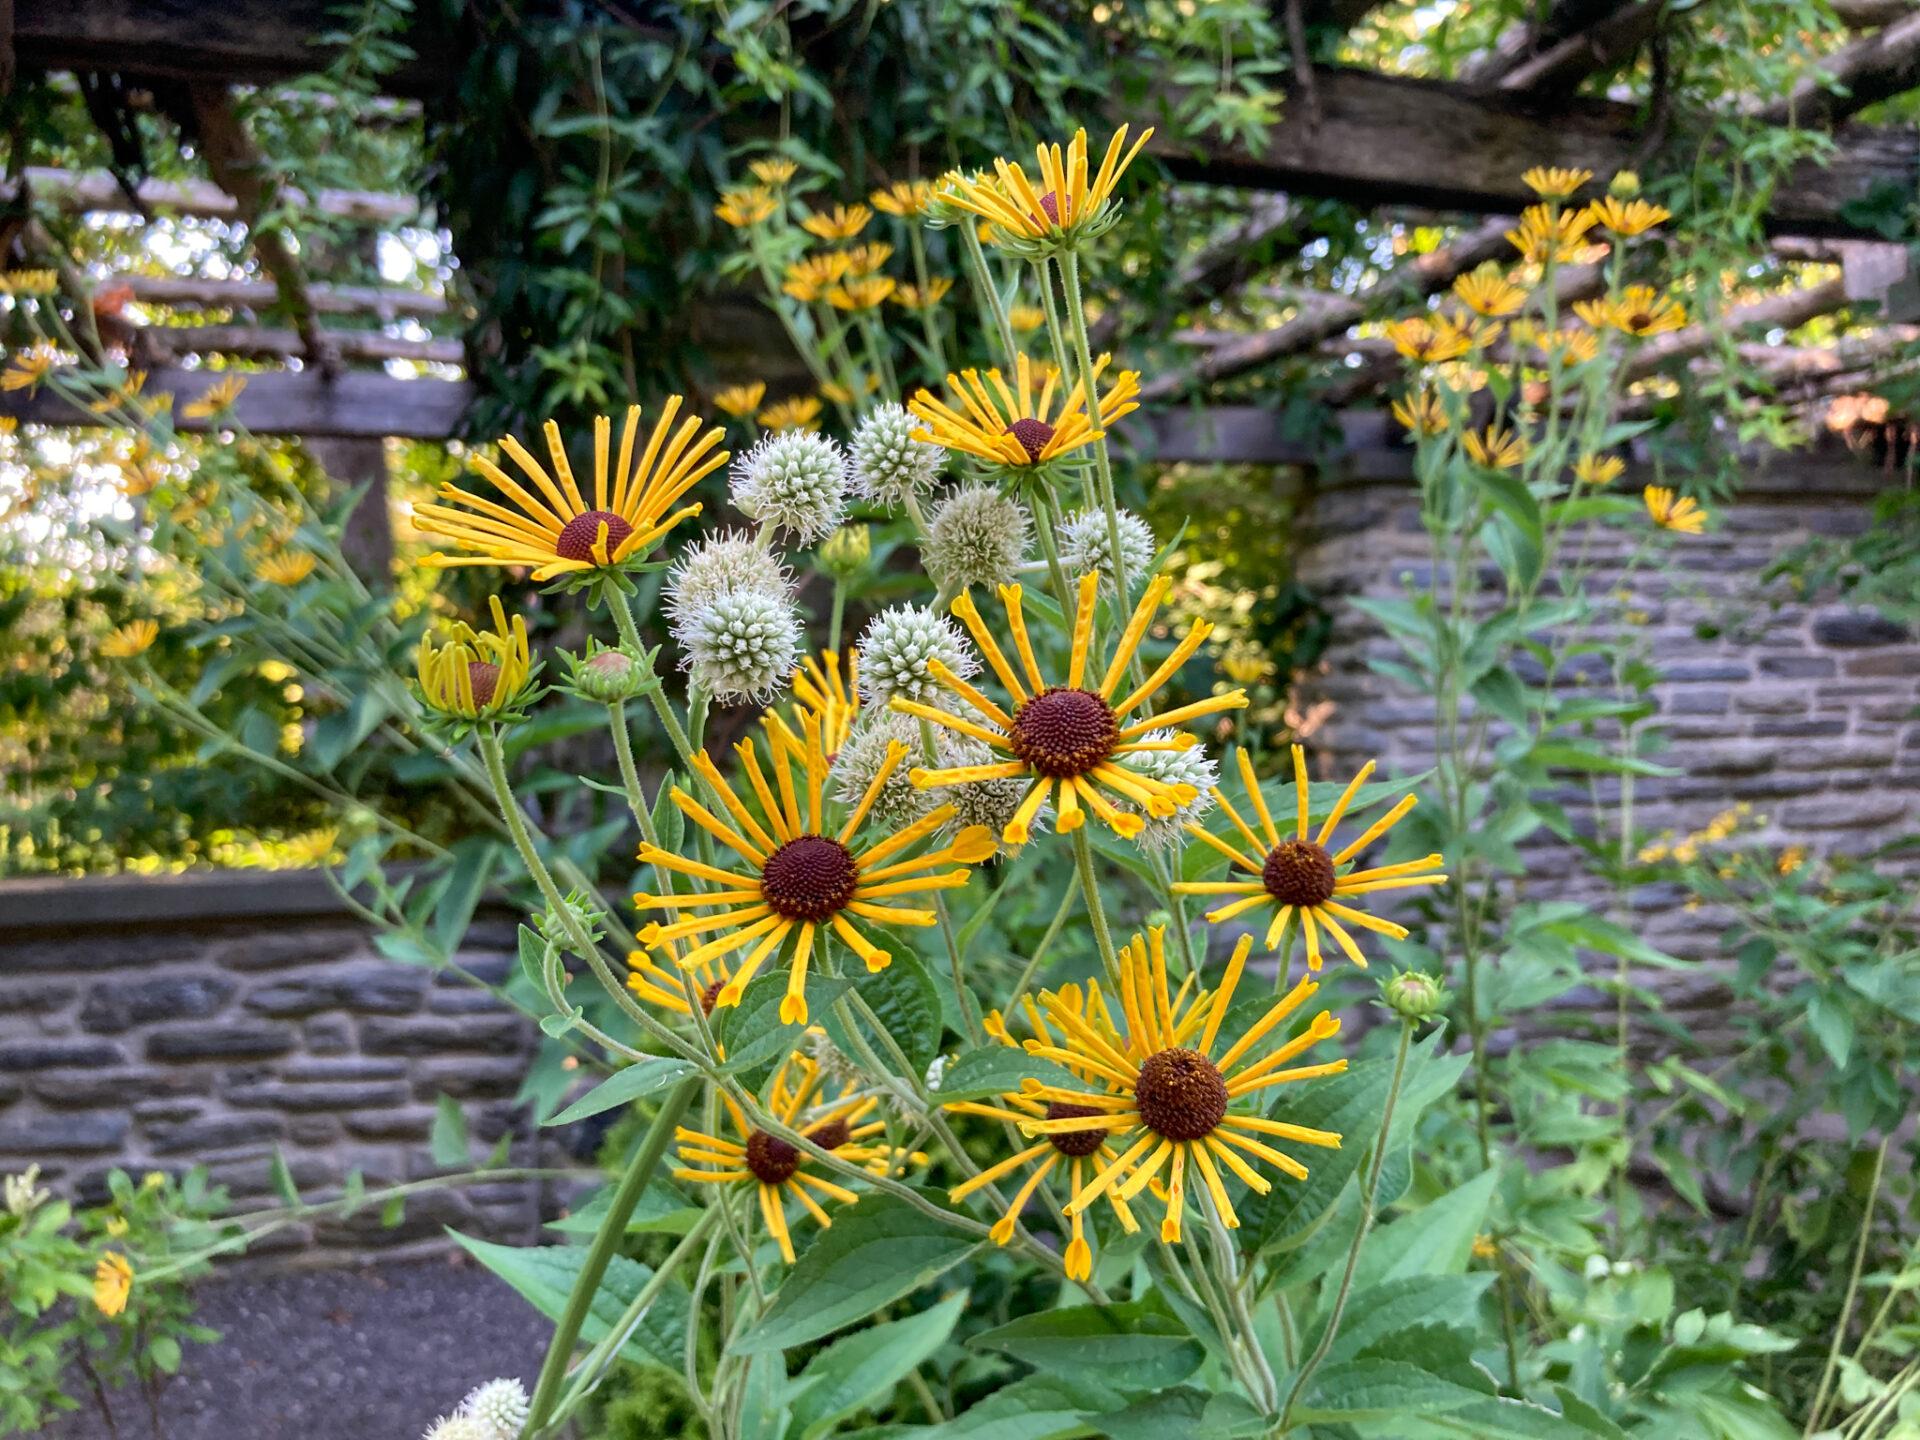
{"type": "Point", "coordinates": [502, 1404]}
{"type": "Point", "coordinates": [889, 465]}
{"type": "Point", "coordinates": [991, 803]}
{"type": "Point", "coordinates": [23, 1192]}
{"type": "Point", "coordinates": [897, 646]}
{"type": "Point", "coordinates": [724, 561]}
{"type": "Point", "coordinates": [1085, 544]}
{"type": "Point", "coordinates": [743, 646]}
{"type": "Point", "coordinates": [794, 481]}
{"type": "Point", "coordinates": [978, 537]}
{"type": "Point", "coordinates": [460, 1426]}
{"type": "Point", "coordinates": [900, 802]}
{"type": "Point", "coordinates": [1173, 767]}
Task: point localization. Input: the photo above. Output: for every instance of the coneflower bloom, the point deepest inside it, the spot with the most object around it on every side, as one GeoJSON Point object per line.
{"type": "Point", "coordinates": [1167, 1089]}
{"type": "Point", "coordinates": [801, 412]}
{"type": "Point", "coordinates": [1640, 311]}
{"type": "Point", "coordinates": [831, 699]}
{"type": "Point", "coordinates": [778, 1170]}
{"type": "Point", "coordinates": [796, 875]}
{"type": "Point", "coordinates": [551, 527]}
{"type": "Point", "coordinates": [1084, 1151]}
{"type": "Point", "coordinates": [664, 987]}
{"type": "Point", "coordinates": [1020, 427]}
{"type": "Point", "coordinates": [285, 567]}
{"type": "Point", "coordinates": [842, 222]}
{"type": "Point", "coordinates": [1670, 513]}
{"type": "Point", "coordinates": [1069, 736]}
{"type": "Point", "coordinates": [1061, 202]}
{"type": "Point", "coordinates": [1555, 182]}
{"type": "Point", "coordinates": [740, 401]}
{"type": "Point", "coordinates": [1299, 875]}
{"type": "Point", "coordinates": [136, 637]}
{"type": "Point", "coordinates": [1628, 218]}
{"type": "Point", "coordinates": [476, 674]}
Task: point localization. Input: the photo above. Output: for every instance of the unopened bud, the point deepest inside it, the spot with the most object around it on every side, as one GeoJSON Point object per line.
{"type": "Point", "coordinates": [845, 553]}
{"type": "Point", "coordinates": [1415, 996]}
{"type": "Point", "coordinates": [1624, 185]}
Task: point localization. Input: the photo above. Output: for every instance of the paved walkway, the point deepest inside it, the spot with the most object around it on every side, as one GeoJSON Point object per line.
{"type": "Point", "coordinates": [365, 1354]}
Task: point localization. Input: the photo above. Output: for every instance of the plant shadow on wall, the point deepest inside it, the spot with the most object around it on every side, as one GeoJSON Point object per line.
{"type": "Point", "coordinates": [971, 1017]}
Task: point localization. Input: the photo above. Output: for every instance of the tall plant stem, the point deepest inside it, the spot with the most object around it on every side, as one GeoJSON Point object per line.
{"type": "Point", "coordinates": [662, 707]}
{"type": "Point", "coordinates": [1819, 1405]}
{"type": "Point", "coordinates": [1096, 912]}
{"type": "Point", "coordinates": [1103, 463]}
{"type": "Point", "coordinates": [987, 293]}
{"type": "Point", "coordinates": [1368, 1196]}
{"type": "Point", "coordinates": [606, 1240]}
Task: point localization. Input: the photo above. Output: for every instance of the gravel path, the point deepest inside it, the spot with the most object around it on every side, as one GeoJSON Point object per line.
{"type": "Point", "coordinates": [364, 1354]}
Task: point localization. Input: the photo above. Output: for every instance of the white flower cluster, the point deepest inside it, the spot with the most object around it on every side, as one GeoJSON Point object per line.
{"type": "Point", "coordinates": [896, 650]}
{"type": "Point", "coordinates": [730, 603]}
{"type": "Point", "coordinates": [889, 465]}
{"type": "Point", "coordinates": [978, 537]}
{"type": "Point", "coordinates": [1086, 544]}
{"type": "Point", "coordinates": [1173, 767]}
{"type": "Point", "coordinates": [900, 802]}
{"type": "Point", "coordinates": [794, 481]}
{"type": "Point", "coordinates": [496, 1410]}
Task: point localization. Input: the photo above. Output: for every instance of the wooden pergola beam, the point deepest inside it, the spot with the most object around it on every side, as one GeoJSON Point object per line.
{"type": "Point", "coordinates": [1864, 72]}
{"type": "Point", "coordinates": [1386, 139]}
{"type": "Point", "coordinates": [1606, 44]}
{"type": "Point", "coordinates": [1224, 263]}
{"type": "Point", "coordinates": [356, 404]}
{"type": "Point", "coordinates": [79, 192]}
{"type": "Point", "coordinates": [186, 292]}
{"type": "Point", "coordinates": [169, 342]}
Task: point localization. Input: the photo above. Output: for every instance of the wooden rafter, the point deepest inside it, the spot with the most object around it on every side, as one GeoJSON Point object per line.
{"type": "Point", "coordinates": [169, 342]}
{"type": "Point", "coordinates": [1223, 264]}
{"type": "Point", "coordinates": [359, 403]}
{"type": "Point", "coordinates": [1868, 70]}
{"type": "Point", "coordinates": [81, 192]}
{"type": "Point", "coordinates": [184, 292]}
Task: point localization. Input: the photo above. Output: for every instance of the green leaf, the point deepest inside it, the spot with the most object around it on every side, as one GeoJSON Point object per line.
{"type": "Point", "coordinates": [1378, 1389]}
{"type": "Point", "coordinates": [282, 1178]}
{"type": "Point", "coordinates": [165, 1354]}
{"type": "Point", "coordinates": [904, 1000]}
{"type": "Point", "coordinates": [1036, 1408]}
{"type": "Point", "coordinates": [468, 881]}
{"type": "Point", "coordinates": [1514, 1420]}
{"type": "Point", "coordinates": [1832, 1026]}
{"type": "Point", "coordinates": [447, 1141]}
{"type": "Point", "coordinates": [546, 1274]}
{"type": "Point", "coordinates": [1435, 1240]}
{"type": "Point", "coordinates": [393, 1212]}
{"type": "Point", "coordinates": [876, 1252]}
{"type": "Point", "coordinates": [991, 1070]}
{"type": "Point", "coordinates": [751, 1032]}
{"type": "Point", "coordinates": [1404, 1304]}
{"type": "Point", "coordinates": [643, 1077]}
{"type": "Point", "coordinates": [860, 1370]}
{"type": "Point", "coordinates": [1572, 755]}
{"type": "Point", "coordinates": [1188, 1414]}
{"type": "Point", "coordinates": [660, 1209]}
{"type": "Point", "coordinates": [1132, 1347]}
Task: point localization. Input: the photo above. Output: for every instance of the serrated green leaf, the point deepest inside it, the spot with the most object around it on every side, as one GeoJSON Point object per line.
{"type": "Point", "coordinates": [989, 1070]}
{"type": "Point", "coordinates": [545, 1276]}
{"type": "Point", "coordinates": [860, 1370]}
{"type": "Point", "coordinates": [1134, 1346]}
{"type": "Point", "coordinates": [642, 1078]}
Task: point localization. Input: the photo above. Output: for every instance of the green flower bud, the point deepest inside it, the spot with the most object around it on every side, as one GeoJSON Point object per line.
{"type": "Point", "coordinates": [1415, 996]}
{"type": "Point", "coordinates": [845, 553]}
{"type": "Point", "coordinates": [607, 676]}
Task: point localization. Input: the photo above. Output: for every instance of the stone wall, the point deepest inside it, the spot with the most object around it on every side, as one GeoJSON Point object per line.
{"type": "Point", "coordinates": [1809, 711]}
{"type": "Point", "coordinates": [154, 1023]}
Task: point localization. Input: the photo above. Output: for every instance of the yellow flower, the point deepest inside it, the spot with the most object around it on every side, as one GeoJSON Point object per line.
{"type": "Point", "coordinates": [903, 197]}
{"type": "Point", "coordinates": [1164, 1085]}
{"type": "Point", "coordinates": [750, 206]}
{"type": "Point", "coordinates": [1683, 514]}
{"type": "Point", "coordinates": [797, 874]}
{"type": "Point", "coordinates": [1071, 737]}
{"type": "Point", "coordinates": [667, 988]}
{"type": "Point", "coordinates": [827, 268]}
{"type": "Point", "coordinates": [831, 701]}
{"type": "Point", "coordinates": [867, 292]}
{"type": "Point", "coordinates": [1598, 469]}
{"type": "Point", "coordinates": [112, 1283]}
{"type": "Point", "coordinates": [740, 401]}
{"type": "Point", "coordinates": [29, 368]}
{"type": "Point", "coordinates": [1569, 345]}
{"type": "Point", "coordinates": [9, 424]}
{"type": "Point", "coordinates": [284, 567]}
{"type": "Point", "coordinates": [555, 530]}
{"type": "Point", "coordinates": [912, 297]}
{"type": "Point", "coordinates": [1014, 427]}
{"type": "Point", "coordinates": [1487, 292]}
{"type": "Point", "coordinates": [1300, 876]}
{"type": "Point", "coordinates": [1554, 182]}
{"type": "Point", "coordinates": [778, 1170]}
{"type": "Point", "coordinates": [773, 170]}
{"type": "Point", "coordinates": [1083, 1150]}
{"type": "Point", "coordinates": [314, 848]}
{"type": "Point", "coordinates": [867, 259]}
{"type": "Point", "coordinates": [136, 637]}
{"type": "Point", "coordinates": [1065, 204]}
{"type": "Point", "coordinates": [476, 673]}
{"type": "Point", "coordinates": [1628, 218]}
{"type": "Point", "coordinates": [1429, 341]}
{"type": "Point", "coordinates": [1245, 665]}
{"type": "Point", "coordinates": [216, 397]}
{"type": "Point", "coordinates": [1495, 448]}
{"type": "Point", "coordinates": [1421, 413]}
{"type": "Point", "coordinates": [843, 222]}
{"type": "Point", "coordinates": [1485, 1247]}
{"type": "Point", "coordinates": [1640, 311]}
{"type": "Point", "coordinates": [117, 1226]}
{"type": "Point", "coordinates": [802, 412]}
{"type": "Point", "coordinates": [1026, 317]}
{"type": "Point", "coordinates": [1791, 859]}
{"type": "Point", "coordinates": [29, 282]}
{"type": "Point", "coordinates": [1546, 234]}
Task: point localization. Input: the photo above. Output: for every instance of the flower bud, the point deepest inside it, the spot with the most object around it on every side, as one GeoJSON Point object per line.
{"type": "Point", "coordinates": [1415, 996]}
{"type": "Point", "coordinates": [1624, 185]}
{"type": "Point", "coordinates": [845, 553]}
{"type": "Point", "coordinates": [608, 676]}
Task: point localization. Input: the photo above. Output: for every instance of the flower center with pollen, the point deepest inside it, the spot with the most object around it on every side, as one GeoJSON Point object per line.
{"type": "Point", "coordinates": [809, 878]}
{"type": "Point", "coordinates": [1075, 1142]}
{"type": "Point", "coordinates": [576, 541]}
{"type": "Point", "coordinates": [484, 677]}
{"type": "Point", "coordinates": [709, 995]}
{"type": "Point", "coordinates": [1062, 733]}
{"type": "Point", "coordinates": [771, 1161]}
{"type": "Point", "coordinates": [1033, 436]}
{"type": "Point", "coordinates": [830, 1134]}
{"type": "Point", "coordinates": [1181, 1094]}
{"type": "Point", "coordinates": [1050, 206]}
{"type": "Point", "coordinates": [1299, 872]}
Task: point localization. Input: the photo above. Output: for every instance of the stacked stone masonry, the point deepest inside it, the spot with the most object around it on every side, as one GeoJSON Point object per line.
{"type": "Point", "coordinates": [157, 1023]}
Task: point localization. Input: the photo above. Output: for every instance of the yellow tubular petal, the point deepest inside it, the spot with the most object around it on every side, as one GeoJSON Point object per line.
{"type": "Point", "coordinates": [1017, 624]}
{"type": "Point", "coordinates": [1250, 1177]}
{"type": "Point", "coordinates": [870, 954]}
{"type": "Point", "coordinates": [1195, 637]}
{"type": "Point", "coordinates": [1115, 1171]}
{"type": "Point", "coordinates": [892, 915]}
{"type": "Point", "coordinates": [751, 763]}
{"type": "Point", "coordinates": [1082, 630]}
{"type": "Point", "coordinates": [1340, 806]}
{"type": "Point", "coordinates": [718, 828]}
{"type": "Point", "coordinates": [994, 1172]}
{"type": "Point", "coordinates": [901, 839]}
{"type": "Point", "coordinates": [1222, 1205]}
{"type": "Point", "coordinates": [793, 1009]}
{"type": "Point", "coordinates": [710, 772]}
{"type": "Point", "coordinates": [1224, 996]}
{"type": "Point", "coordinates": [1020, 827]}
{"type": "Point", "coordinates": [1369, 887]}
{"type": "Point", "coordinates": [1286, 1164]}
{"type": "Point", "coordinates": [963, 606]}
{"type": "Point", "coordinates": [966, 692]}
{"type": "Point", "coordinates": [736, 986]}
{"type": "Point", "coordinates": [776, 1221]}
{"type": "Point", "coordinates": [1343, 939]}
{"type": "Point", "coordinates": [1366, 921]}
{"type": "Point", "coordinates": [1238, 907]}
{"type": "Point", "coordinates": [1232, 700]}
{"type": "Point", "coordinates": [949, 720]}
{"type": "Point", "coordinates": [1288, 1077]}
{"type": "Point", "coordinates": [1071, 817]}
{"type": "Point", "coordinates": [1151, 1166]}
{"type": "Point", "coordinates": [896, 752]}
{"type": "Point", "coordinates": [667, 859]}
{"type": "Point", "coordinates": [1130, 637]}
{"type": "Point", "coordinates": [1251, 782]}
{"type": "Point", "coordinates": [1003, 1229]}
{"type": "Point", "coordinates": [1303, 1134]}
{"type": "Point", "coordinates": [1379, 827]}
{"type": "Point", "coordinates": [1281, 1009]}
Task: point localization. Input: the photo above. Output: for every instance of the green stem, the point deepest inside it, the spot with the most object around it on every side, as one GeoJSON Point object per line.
{"type": "Point", "coordinates": [606, 1240]}
{"type": "Point", "coordinates": [839, 614]}
{"type": "Point", "coordinates": [1819, 1405]}
{"type": "Point", "coordinates": [987, 293]}
{"type": "Point", "coordinates": [1096, 912]}
{"type": "Point", "coordinates": [662, 707]}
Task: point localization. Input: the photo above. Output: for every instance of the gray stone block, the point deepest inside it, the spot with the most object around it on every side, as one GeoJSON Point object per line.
{"type": "Point", "coordinates": [378, 988]}
{"type": "Point", "coordinates": [1857, 629]}
{"type": "Point", "coordinates": [219, 1042]}
{"type": "Point", "coordinates": [117, 1005]}
{"type": "Point", "coordinates": [64, 1134]}
{"type": "Point", "coordinates": [425, 1036]}
{"type": "Point", "coordinates": [215, 1132]}
{"type": "Point", "coordinates": [1798, 667]}
{"type": "Point", "coordinates": [22, 1055]}
{"type": "Point", "coordinates": [117, 1086]}
{"type": "Point", "coordinates": [317, 1097]}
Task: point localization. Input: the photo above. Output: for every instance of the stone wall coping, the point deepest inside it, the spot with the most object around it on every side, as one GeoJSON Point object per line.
{"type": "Point", "coordinates": [116, 901]}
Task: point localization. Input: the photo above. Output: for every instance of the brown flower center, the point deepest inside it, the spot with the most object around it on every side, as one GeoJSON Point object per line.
{"type": "Point", "coordinates": [710, 995]}
{"type": "Point", "coordinates": [1075, 1142]}
{"type": "Point", "coordinates": [771, 1161]}
{"type": "Point", "coordinates": [1299, 872]}
{"type": "Point", "coordinates": [576, 541]}
{"type": "Point", "coordinates": [1050, 206]}
{"type": "Point", "coordinates": [484, 677]}
{"type": "Point", "coordinates": [1062, 733]}
{"type": "Point", "coordinates": [1181, 1094]}
{"type": "Point", "coordinates": [1033, 436]}
{"type": "Point", "coordinates": [830, 1134]}
{"type": "Point", "coordinates": [810, 878]}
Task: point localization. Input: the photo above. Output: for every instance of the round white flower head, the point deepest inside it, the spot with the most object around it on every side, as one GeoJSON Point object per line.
{"type": "Point", "coordinates": [978, 537]}
{"type": "Point", "coordinates": [725, 561]}
{"type": "Point", "coordinates": [743, 646]}
{"type": "Point", "coordinates": [460, 1426]}
{"type": "Point", "coordinates": [1085, 545]}
{"type": "Point", "coordinates": [502, 1404]}
{"type": "Point", "coordinates": [991, 803]}
{"type": "Point", "coordinates": [899, 802]}
{"type": "Point", "coordinates": [1174, 767]}
{"type": "Point", "coordinates": [889, 465]}
{"type": "Point", "coordinates": [794, 481]}
{"type": "Point", "coordinates": [896, 648]}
